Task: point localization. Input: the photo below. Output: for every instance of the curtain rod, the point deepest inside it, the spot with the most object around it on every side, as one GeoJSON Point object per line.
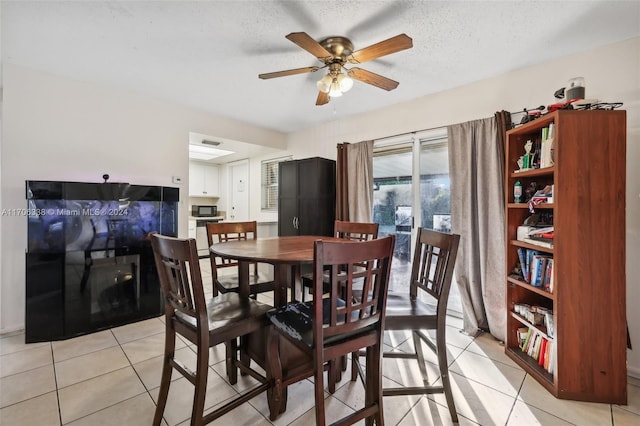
{"type": "Point", "coordinates": [409, 133]}
{"type": "Point", "coordinates": [438, 127]}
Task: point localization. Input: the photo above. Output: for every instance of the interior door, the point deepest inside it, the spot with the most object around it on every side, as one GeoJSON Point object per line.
{"type": "Point", "coordinates": [239, 190]}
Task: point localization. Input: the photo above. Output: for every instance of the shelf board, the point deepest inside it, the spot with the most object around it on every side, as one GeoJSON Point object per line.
{"type": "Point", "coordinates": [535, 125]}
{"type": "Point", "coordinates": [531, 288]}
{"type": "Point", "coordinates": [523, 244]}
{"type": "Point", "coordinates": [526, 206]}
{"type": "Point", "coordinates": [545, 171]}
{"type": "Point", "coordinates": [540, 329]}
{"type": "Point", "coordinates": [532, 367]}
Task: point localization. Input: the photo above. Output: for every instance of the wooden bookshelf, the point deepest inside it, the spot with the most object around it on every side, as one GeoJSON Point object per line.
{"type": "Point", "coordinates": [588, 299]}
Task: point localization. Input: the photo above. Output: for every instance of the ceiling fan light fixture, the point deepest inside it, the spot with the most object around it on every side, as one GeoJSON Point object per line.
{"type": "Point", "coordinates": [335, 90]}
{"type": "Point", "coordinates": [346, 83]}
{"type": "Point", "coordinates": [324, 84]}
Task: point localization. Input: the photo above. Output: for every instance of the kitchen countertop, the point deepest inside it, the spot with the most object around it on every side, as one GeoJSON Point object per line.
{"type": "Point", "coordinates": [206, 217]}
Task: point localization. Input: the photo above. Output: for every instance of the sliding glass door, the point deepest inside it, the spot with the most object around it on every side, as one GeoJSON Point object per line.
{"type": "Point", "coordinates": [412, 189]}
{"type": "Point", "coordinates": [393, 202]}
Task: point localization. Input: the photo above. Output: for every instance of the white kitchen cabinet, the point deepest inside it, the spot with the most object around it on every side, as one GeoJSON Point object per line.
{"type": "Point", "coordinates": [203, 180]}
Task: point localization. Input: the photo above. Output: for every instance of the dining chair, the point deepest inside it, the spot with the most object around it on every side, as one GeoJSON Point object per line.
{"type": "Point", "coordinates": [424, 307]}
{"type": "Point", "coordinates": [205, 323]}
{"type": "Point", "coordinates": [220, 232]}
{"type": "Point", "coordinates": [354, 231]}
{"type": "Point", "coordinates": [328, 328]}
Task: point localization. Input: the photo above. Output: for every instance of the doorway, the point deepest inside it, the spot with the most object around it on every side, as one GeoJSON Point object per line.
{"type": "Point", "coordinates": [239, 191]}
{"type": "Point", "coordinates": [411, 190]}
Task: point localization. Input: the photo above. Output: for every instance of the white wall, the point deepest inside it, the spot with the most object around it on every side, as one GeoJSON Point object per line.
{"type": "Point", "coordinates": [59, 129]}
{"type": "Point", "coordinates": [612, 73]}
{"type": "Point", "coordinates": [48, 119]}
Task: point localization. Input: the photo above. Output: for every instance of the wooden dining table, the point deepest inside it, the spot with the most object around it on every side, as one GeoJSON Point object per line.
{"type": "Point", "coordinates": [284, 253]}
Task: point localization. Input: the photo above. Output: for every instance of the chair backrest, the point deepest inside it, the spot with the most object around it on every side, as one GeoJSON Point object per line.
{"type": "Point", "coordinates": [432, 268]}
{"type": "Point", "coordinates": [356, 231]}
{"type": "Point", "coordinates": [180, 277]}
{"type": "Point", "coordinates": [367, 262]}
{"type": "Point", "coordinates": [220, 232]}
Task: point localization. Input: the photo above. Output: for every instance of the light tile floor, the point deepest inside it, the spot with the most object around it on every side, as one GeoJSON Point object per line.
{"type": "Point", "coordinates": [112, 378]}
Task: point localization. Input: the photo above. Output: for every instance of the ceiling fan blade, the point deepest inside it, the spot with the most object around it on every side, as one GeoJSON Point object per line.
{"type": "Point", "coordinates": [323, 98]}
{"type": "Point", "coordinates": [305, 41]}
{"type": "Point", "coordinates": [372, 78]}
{"type": "Point", "coordinates": [386, 47]}
{"type": "Point", "coordinates": [288, 72]}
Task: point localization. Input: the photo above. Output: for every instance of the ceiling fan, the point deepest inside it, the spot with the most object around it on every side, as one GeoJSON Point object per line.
{"type": "Point", "coordinates": [335, 53]}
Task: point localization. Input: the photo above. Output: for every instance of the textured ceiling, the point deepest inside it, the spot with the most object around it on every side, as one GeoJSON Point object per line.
{"type": "Point", "coordinates": [208, 54]}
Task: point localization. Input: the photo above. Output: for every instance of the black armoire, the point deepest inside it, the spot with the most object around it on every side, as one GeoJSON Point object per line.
{"type": "Point", "coordinates": [307, 197]}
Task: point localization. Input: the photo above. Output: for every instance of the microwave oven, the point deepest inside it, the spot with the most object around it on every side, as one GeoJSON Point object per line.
{"type": "Point", "coordinates": [204, 211]}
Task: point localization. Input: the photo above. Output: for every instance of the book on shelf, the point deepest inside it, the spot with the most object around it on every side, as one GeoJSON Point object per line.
{"type": "Point", "coordinates": [538, 270]}
{"type": "Point", "coordinates": [546, 150]}
{"type": "Point", "coordinates": [532, 343]}
{"type": "Point", "coordinates": [551, 279]}
{"type": "Point", "coordinates": [548, 322]}
{"type": "Point", "coordinates": [537, 242]}
{"type": "Point", "coordinates": [540, 349]}
{"type": "Point", "coordinates": [533, 261]}
{"type": "Point", "coordinates": [541, 355]}
{"type": "Point", "coordinates": [523, 263]}
{"type": "Point", "coordinates": [547, 355]}
{"type": "Point", "coordinates": [523, 334]}
{"type": "Point", "coordinates": [529, 260]}
{"type": "Point", "coordinates": [547, 282]}
{"type": "Point", "coordinates": [525, 342]}
{"type": "Point", "coordinates": [542, 237]}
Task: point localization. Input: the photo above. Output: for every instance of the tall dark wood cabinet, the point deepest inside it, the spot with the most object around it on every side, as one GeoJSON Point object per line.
{"type": "Point", "coordinates": [307, 197]}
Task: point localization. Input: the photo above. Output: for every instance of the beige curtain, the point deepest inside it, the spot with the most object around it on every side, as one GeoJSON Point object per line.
{"type": "Point", "coordinates": [354, 181]}
{"type": "Point", "coordinates": [477, 214]}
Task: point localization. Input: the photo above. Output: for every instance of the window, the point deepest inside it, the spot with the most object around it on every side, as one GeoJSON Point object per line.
{"type": "Point", "coordinates": [270, 183]}
{"type": "Point", "coordinates": [435, 203]}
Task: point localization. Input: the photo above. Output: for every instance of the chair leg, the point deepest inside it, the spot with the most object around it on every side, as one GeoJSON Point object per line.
{"type": "Point", "coordinates": [245, 359]}
{"type": "Point", "coordinates": [422, 362]}
{"type": "Point", "coordinates": [332, 376]}
{"type": "Point", "coordinates": [275, 393]}
{"type": "Point", "coordinates": [444, 375]}
{"type": "Point", "coordinates": [319, 389]}
{"type": "Point", "coordinates": [165, 381]}
{"type": "Point", "coordinates": [373, 392]}
{"type": "Point", "coordinates": [231, 356]}
{"type": "Point", "coordinates": [202, 370]}
{"type": "Point", "coordinates": [354, 366]}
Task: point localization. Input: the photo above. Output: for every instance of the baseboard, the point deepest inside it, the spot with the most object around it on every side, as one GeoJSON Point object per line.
{"type": "Point", "coordinates": [633, 372]}
{"type": "Point", "coordinates": [11, 330]}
